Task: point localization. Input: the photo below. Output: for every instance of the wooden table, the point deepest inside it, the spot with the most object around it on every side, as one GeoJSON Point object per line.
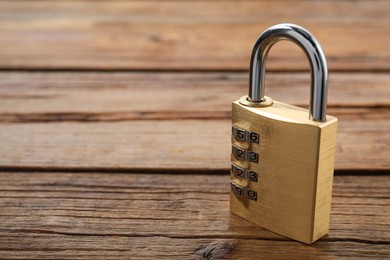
{"type": "Point", "coordinates": [115, 126]}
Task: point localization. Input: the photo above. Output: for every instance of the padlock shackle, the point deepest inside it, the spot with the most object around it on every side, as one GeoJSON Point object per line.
{"type": "Point", "coordinates": [312, 49]}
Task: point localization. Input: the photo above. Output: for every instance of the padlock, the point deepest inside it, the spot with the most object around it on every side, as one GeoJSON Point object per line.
{"type": "Point", "coordinates": [282, 158]}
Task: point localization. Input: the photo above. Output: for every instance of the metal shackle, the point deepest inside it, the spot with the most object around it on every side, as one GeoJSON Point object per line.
{"type": "Point", "coordinates": [312, 49]}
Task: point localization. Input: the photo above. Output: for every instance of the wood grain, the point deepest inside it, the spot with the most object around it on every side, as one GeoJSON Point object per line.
{"type": "Point", "coordinates": [84, 215]}
{"type": "Point", "coordinates": [159, 124]}
{"type": "Point", "coordinates": [42, 97]}
{"type": "Point", "coordinates": [363, 142]}
{"type": "Point", "coordinates": [197, 35]}
{"type": "Point", "coordinates": [55, 108]}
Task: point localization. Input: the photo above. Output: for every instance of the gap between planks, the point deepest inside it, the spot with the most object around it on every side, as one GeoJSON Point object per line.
{"type": "Point", "coordinates": [173, 70]}
{"type": "Point", "coordinates": [22, 169]}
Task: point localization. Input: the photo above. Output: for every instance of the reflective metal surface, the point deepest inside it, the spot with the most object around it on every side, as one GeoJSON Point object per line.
{"type": "Point", "coordinates": [319, 69]}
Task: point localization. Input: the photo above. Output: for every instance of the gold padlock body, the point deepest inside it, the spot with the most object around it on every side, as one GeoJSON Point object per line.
{"type": "Point", "coordinates": [295, 170]}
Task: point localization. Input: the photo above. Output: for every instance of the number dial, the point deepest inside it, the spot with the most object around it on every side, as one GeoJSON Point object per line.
{"type": "Point", "coordinates": [240, 191]}
{"type": "Point", "coordinates": [254, 137]}
{"type": "Point", "coordinates": [243, 173]}
{"type": "Point", "coordinates": [253, 157]}
{"type": "Point", "coordinates": [243, 154]}
{"type": "Point", "coordinates": [252, 176]}
{"type": "Point", "coordinates": [244, 135]}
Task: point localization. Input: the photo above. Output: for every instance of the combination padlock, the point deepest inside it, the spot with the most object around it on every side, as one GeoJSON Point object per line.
{"type": "Point", "coordinates": [282, 158]}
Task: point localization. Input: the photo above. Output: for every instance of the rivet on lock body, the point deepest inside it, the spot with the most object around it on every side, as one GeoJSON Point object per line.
{"type": "Point", "coordinates": [283, 155]}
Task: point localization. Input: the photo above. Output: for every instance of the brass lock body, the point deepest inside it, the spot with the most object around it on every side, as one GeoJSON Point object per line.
{"type": "Point", "coordinates": [283, 155]}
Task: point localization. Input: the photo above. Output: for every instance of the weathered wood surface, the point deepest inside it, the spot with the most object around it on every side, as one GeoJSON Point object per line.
{"type": "Point", "coordinates": [41, 96]}
{"type": "Point", "coordinates": [111, 120]}
{"type": "Point", "coordinates": [196, 35]}
{"type": "Point", "coordinates": [363, 144]}
{"type": "Point", "coordinates": [142, 121]}
{"type": "Point", "coordinates": [84, 215]}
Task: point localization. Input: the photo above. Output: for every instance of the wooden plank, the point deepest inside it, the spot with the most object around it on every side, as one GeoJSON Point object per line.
{"type": "Point", "coordinates": [22, 246]}
{"type": "Point", "coordinates": [172, 35]}
{"type": "Point", "coordinates": [37, 97]}
{"type": "Point", "coordinates": [62, 215]}
{"type": "Point", "coordinates": [37, 246]}
{"type": "Point", "coordinates": [363, 143]}
{"type": "Point", "coordinates": [84, 97]}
